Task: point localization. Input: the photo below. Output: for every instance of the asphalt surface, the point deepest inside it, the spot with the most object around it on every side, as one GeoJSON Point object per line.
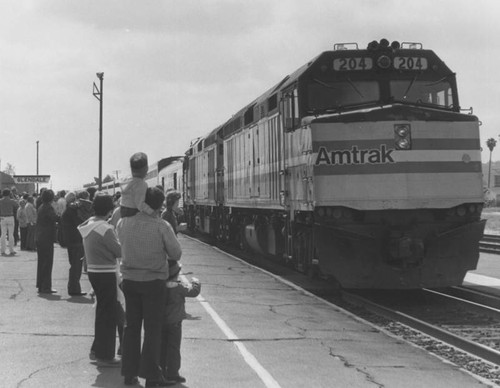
{"type": "Point", "coordinates": [247, 329]}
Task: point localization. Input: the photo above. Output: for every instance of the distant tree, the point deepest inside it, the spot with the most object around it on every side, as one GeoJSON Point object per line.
{"type": "Point", "coordinates": [9, 169]}
{"type": "Point", "coordinates": [491, 143]}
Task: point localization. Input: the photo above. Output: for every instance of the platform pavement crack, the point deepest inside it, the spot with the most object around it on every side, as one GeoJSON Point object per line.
{"type": "Point", "coordinates": [21, 289]}
{"type": "Point", "coordinates": [21, 382]}
{"type": "Point", "coordinates": [347, 364]}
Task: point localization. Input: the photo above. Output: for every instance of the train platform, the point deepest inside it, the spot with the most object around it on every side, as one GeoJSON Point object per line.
{"type": "Point", "coordinates": [486, 277]}
{"type": "Point", "coordinates": [248, 328]}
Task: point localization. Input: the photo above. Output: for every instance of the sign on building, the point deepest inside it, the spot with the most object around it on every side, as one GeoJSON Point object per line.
{"type": "Point", "coordinates": [31, 178]}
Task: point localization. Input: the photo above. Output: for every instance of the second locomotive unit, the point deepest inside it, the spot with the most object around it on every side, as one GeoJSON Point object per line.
{"type": "Point", "coordinates": [360, 166]}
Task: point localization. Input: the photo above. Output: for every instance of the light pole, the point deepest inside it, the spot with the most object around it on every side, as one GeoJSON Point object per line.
{"type": "Point", "coordinates": [98, 93]}
{"type": "Point", "coordinates": [37, 164]}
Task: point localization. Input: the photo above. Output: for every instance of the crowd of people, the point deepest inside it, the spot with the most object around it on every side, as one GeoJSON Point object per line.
{"type": "Point", "coordinates": [128, 246]}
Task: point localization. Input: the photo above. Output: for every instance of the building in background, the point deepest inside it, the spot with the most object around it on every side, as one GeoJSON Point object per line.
{"type": "Point", "coordinates": [7, 182]}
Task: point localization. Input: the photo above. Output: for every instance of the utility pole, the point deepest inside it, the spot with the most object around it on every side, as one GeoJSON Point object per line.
{"type": "Point", "coordinates": [98, 93]}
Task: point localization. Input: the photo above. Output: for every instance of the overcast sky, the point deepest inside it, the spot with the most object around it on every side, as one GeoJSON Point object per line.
{"type": "Point", "coordinates": [175, 70]}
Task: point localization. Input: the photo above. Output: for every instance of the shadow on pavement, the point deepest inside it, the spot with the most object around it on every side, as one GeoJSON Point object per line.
{"type": "Point", "coordinates": [49, 296]}
{"type": "Point", "coordinates": [79, 300]}
{"type": "Point", "coordinates": [109, 377]}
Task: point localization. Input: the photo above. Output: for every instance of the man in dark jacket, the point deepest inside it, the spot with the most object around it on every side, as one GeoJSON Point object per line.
{"type": "Point", "coordinates": [70, 220]}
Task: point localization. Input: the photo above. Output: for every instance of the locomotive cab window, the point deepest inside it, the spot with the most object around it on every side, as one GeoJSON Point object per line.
{"type": "Point", "coordinates": [423, 92]}
{"type": "Point", "coordinates": [330, 96]}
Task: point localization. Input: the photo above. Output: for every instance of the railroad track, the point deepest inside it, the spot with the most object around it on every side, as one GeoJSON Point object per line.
{"type": "Point", "coordinates": [490, 243]}
{"type": "Point", "coordinates": [454, 319]}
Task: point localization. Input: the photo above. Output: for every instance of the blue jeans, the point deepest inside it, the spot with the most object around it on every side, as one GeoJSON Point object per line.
{"type": "Point", "coordinates": [144, 302]}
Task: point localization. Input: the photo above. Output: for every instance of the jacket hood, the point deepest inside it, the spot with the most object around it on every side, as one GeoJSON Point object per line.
{"type": "Point", "coordinates": [93, 224]}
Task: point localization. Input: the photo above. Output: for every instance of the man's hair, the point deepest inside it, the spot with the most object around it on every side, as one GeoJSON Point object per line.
{"type": "Point", "coordinates": [103, 204]}
{"type": "Point", "coordinates": [47, 196]}
{"type": "Point", "coordinates": [83, 195]}
{"type": "Point", "coordinates": [5, 192]}
{"type": "Point", "coordinates": [154, 197]}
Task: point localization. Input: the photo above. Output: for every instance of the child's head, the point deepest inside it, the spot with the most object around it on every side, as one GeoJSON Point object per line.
{"type": "Point", "coordinates": [139, 164]}
{"type": "Point", "coordinates": [174, 269]}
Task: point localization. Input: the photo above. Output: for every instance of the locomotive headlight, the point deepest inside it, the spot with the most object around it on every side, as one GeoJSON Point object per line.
{"type": "Point", "coordinates": [461, 211]}
{"type": "Point", "coordinates": [403, 144]}
{"type": "Point", "coordinates": [402, 130]}
{"type": "Point", "coordinates": [384, 62]}
{"type": "Point", "coordinates": [402, 136]}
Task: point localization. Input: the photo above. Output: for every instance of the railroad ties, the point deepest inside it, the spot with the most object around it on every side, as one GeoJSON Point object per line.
{"type": "Point", "coordinates": [490, 243]}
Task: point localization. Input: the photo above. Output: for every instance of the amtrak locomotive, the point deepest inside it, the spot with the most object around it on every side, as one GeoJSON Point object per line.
{"type": "Point", "coordinates": [359, 166]}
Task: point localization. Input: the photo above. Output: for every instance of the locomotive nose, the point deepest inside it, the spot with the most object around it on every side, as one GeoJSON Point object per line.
{"type": "Point", "coordinates": [406, 251]}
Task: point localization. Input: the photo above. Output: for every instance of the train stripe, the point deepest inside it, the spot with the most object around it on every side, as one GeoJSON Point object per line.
{"type": "Point", "coordinates": [398, 168]}
{"type": "Point", "coordinates": [417, 144]}
{"type": "Point", "coordinates": [374, 130]}
{"type": "Point", "coordinates": [398, 190]}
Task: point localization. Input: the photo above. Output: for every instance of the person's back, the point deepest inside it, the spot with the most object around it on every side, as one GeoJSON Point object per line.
{"type": "Point", "coordinates": [134, 194]}
{"type": "Point", "coordinates": [178, 291]}
{"type": "Point", "coordinates": [7, 206]}
{"type": "Point", "coordinates": [147, 241]}
{"type": "Point", "coordinates": [69, 222]}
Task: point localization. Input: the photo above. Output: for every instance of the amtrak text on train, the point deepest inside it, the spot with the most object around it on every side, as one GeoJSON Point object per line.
{"type": "Point", "coordinates": [354, 156]}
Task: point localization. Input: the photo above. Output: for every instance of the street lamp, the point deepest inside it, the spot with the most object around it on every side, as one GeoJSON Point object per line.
{"type": "Point", "coordinates": [99, 95]}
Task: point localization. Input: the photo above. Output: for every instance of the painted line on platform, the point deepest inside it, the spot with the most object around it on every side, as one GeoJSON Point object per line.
{"type": "Point", "coordinates": [249, 358]}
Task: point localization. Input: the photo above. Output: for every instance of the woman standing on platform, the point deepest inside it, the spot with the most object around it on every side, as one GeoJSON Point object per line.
{"type": "Point", "coordinates": [44, 236]}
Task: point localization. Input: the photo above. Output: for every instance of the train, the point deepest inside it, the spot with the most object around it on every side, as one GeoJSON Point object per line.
{"type": "Point", "coordinates": [360, 167]}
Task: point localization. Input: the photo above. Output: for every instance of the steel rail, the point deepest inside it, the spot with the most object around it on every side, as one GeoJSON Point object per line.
{"type": "Point", "coordinates": [473, 348]}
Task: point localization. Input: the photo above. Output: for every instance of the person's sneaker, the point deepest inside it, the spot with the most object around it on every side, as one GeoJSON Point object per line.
{"type": "Point", "coordinates": [13, 253]}
{"type": "Point", "coordinates": [177, 379]}
{"type": "Point", "coordinates": [114, 362]}
{"type": "Point", "coordinates": [4, 254]}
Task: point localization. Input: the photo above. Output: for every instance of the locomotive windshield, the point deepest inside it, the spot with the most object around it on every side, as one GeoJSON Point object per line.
{"type": "Point", "coordinates": [346, 79]}
{"type": "Point", "coordinates": [328, 96]}
{"type": "Point", "coordinates": [422, 92]}
{"type": "Point", "coordinates": [325, 96]}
